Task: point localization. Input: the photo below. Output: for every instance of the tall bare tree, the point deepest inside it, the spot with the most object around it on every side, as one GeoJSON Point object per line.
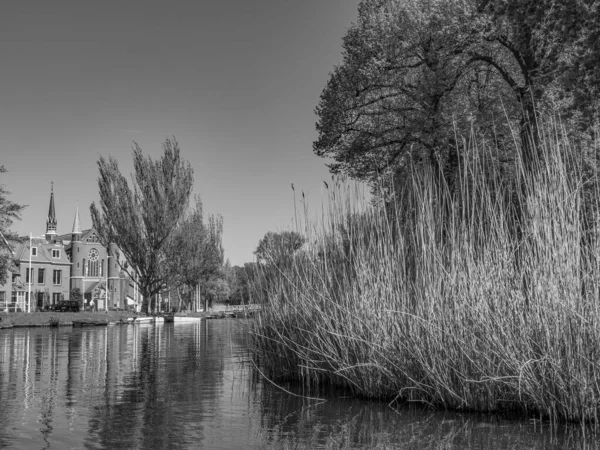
{"type": "Point", "coordinates": [141, 218]}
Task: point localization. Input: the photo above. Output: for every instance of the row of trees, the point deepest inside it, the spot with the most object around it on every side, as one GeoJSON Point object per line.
{"type": "Point", "coordinates": [168, 244]}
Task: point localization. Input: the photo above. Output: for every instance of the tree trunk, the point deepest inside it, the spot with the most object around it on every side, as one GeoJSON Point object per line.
{"type": "Point", "coordinates": [206, 303]}
{"type": "Point", "coordinates": [180, 300]}
{"type": "Point", "coordinates": [145, 303]}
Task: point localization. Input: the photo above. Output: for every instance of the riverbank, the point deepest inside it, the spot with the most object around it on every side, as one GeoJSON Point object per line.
{"type": "Point", "coordinates": [48, 319]}
{"type": "Point", "coordinates": [61, 319]}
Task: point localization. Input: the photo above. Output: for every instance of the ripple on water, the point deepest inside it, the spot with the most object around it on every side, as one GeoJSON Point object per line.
{"type": "Point", "coordinates": [192, 386]}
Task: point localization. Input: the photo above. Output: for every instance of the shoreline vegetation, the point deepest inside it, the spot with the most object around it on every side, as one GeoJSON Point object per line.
{"type": "Point", "coordinates": [484, 296]}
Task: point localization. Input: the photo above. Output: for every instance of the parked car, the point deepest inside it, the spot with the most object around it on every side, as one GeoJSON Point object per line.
{"type": "Point", "coordinates": [67, 306]}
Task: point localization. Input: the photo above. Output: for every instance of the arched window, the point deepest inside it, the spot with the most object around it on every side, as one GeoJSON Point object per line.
{"type": "Point", "coordinates": [102, 269]}
{"type": "Point", "coordinates": [93, 270]}
{"type": "Point", "coordinates": [84, 268]}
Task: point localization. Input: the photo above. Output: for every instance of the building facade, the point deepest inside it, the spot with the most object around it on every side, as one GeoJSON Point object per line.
{"type": "Point", "coordinates": [56, 267]}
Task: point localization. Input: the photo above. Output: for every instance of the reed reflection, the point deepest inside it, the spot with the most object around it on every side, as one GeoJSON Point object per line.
{"type": "Point", "coordinates": [343, 422]}
{"type": "Point", "coordinates": [194, 386]}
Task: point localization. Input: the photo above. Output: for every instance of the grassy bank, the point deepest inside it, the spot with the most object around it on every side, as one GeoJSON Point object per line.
{"type": "Point", "coordinates": [480, 296]}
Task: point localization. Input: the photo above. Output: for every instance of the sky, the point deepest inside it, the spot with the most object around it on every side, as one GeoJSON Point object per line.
{"type": "Point", "coordinates": [236, 83]}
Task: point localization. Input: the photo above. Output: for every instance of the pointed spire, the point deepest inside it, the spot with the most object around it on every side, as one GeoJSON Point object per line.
{"type": "Point", "coordinates": [51, 221]}
{"type": "Point", "coordinates": [76, 225]}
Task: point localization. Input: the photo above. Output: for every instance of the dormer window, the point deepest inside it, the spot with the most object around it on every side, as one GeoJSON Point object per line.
{"type": "Point", "coordinates": [56, 253]}
{"type": "Point", "coordinates": [33, 251]}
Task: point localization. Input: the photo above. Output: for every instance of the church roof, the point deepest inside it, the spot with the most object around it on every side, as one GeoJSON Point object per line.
{"type": "Point", "coordinates": [76, 225]}
{"type": "Point", "coordinates": [90, 236]}
{"type": "Point", "coordinates": [51, 209]}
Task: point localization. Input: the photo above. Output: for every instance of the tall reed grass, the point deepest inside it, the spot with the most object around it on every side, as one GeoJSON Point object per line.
{"type": "Point", "coordinates": [481, 296]}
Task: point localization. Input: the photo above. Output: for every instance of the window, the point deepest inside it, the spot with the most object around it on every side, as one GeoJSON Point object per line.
{"type": "Point", "coordinates": [28, 275]}
{"type": "Point", "coordinates": [57, 277]}
{"type": "Point", "coordinates": [55, 298]}
{"type": "Point", "coordinates": [33, 251]}
{"type": "Point", "coordinates": [56, 253]}
{"type": "Point", "coordinates": [93, 263]}
{"type": "Point", "coordinates": [41, 276]}
{"type": "Point", "coordinates": [3, 304]}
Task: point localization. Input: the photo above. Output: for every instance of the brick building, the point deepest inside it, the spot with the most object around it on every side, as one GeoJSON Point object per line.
{"type": "Point", "coordinates": [53, 266]}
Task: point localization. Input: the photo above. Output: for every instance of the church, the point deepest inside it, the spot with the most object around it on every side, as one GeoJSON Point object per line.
{"type": "Point", "coordinates": [55, 267]}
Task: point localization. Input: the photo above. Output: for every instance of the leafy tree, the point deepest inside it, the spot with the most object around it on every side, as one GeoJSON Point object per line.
{"type": "Point", "coordinates": [216, 290]}
{"type": "Point", "coordinates": [141, 219]}
{"type": "Point", "coordinates": [274, 254]}
{"type": "Point", "coordinates": [242, 287]}
{"type": "Point", "coordinates": [229, 276]}
{"type": "Point", "coordinates": [9, 211]}
{"type": "Point", "coordinates": [416, 74]}
{"type": "Point", "coordinates": [230, 283]}
{"type": "Point", "coordinates": [195, 250]}
{"type": "Point", "coordinates": [278, 247]}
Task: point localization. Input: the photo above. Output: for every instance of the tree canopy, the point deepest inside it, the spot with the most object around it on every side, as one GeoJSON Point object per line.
{"type": "Point", "coordinates": [196, 251]}
{"type": "Point", "coordinates": [278, 247]}
{"type": "Point", "coordinates": [141, 218]}
{"type": "Point", "coordinates": [417, 74]}
{"type": "Point", "coordinates": [241, 283]}
{"type": "Point", "coordinates": [9, 212]}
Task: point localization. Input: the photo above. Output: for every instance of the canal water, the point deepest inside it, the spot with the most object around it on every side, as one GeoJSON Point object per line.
{"type": "Point", "coordinates": [186, 386]}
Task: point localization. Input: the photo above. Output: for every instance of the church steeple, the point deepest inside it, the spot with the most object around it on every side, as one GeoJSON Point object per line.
{"type": "Point", "coordinates": [51, 221]}
{"type": "Point", "coordinates": [76, 233]}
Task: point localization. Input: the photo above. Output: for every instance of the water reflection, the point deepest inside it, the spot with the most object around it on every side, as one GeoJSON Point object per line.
{"type": "Point", "coordinates": [192, 386]}
{"type": "Point", "coordinates": [348, 423]}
